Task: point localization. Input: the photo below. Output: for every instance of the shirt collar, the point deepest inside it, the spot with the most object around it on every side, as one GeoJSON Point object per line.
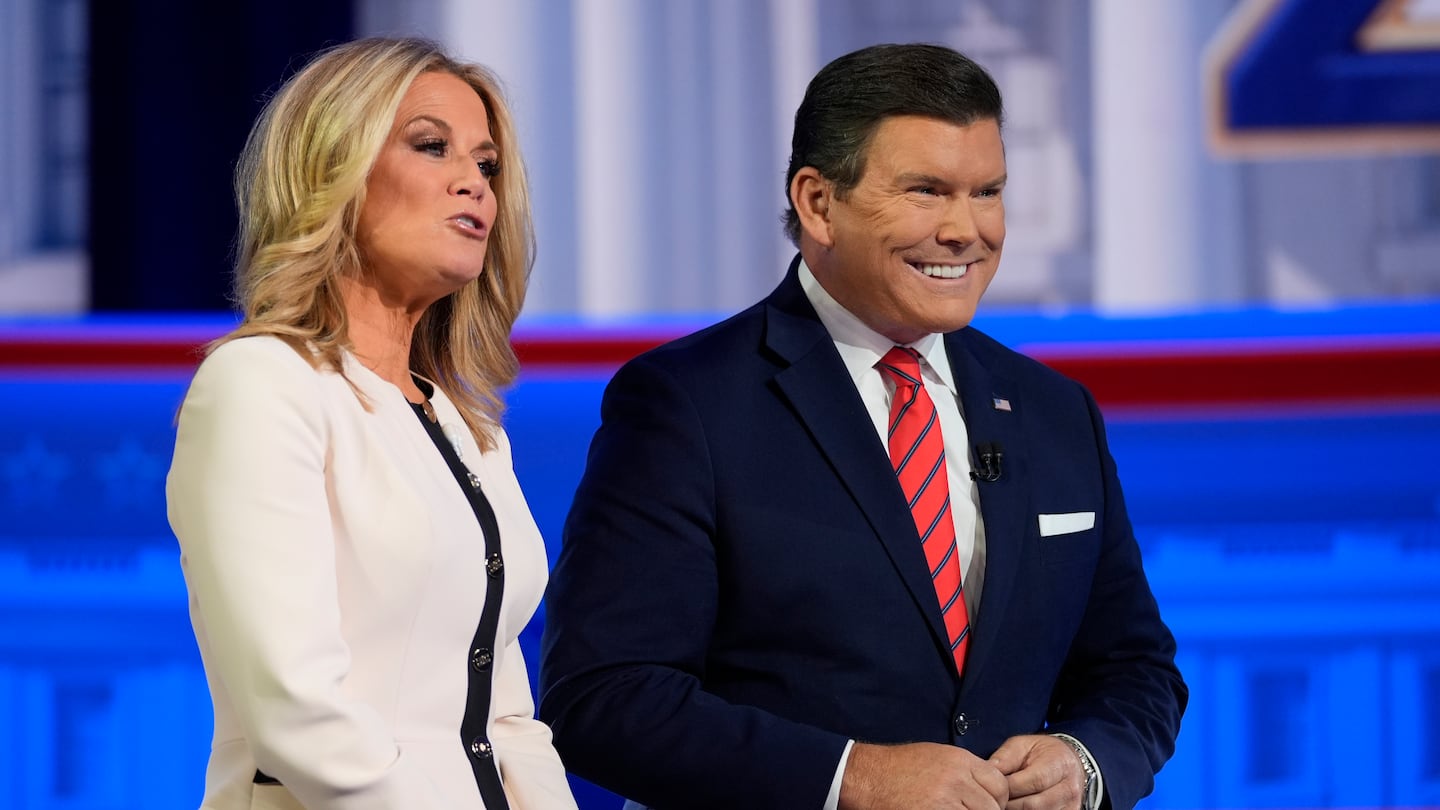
{"type": "Point", "coordinates": [862, 347]}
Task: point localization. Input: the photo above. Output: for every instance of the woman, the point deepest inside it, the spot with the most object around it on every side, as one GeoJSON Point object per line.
{"type": "Point", "coordinates": [359, 556]}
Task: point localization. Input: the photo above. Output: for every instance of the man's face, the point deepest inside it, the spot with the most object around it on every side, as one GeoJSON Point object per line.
{"type": "Point", "coordinates": [913, 246]}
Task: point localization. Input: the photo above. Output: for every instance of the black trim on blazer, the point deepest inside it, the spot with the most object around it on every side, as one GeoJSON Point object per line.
{"type": "Point", "coordinates": [473, 726]}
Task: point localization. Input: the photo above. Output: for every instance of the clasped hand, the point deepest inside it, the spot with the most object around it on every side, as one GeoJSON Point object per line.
{"type": "Point", "coordinates": [1029, 772]}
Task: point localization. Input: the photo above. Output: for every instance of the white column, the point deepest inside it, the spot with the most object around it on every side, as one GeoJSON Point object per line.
{"type": "Point", "coordinates": [19, 86]}
{"type": "Point", "coordinates": [734, 106]}
{"type": "Point", "coordinates": [527, 46]}
{"type": "Point", "coordinates": [795, 51]}
{"type": "Point", "coordinates": [36, 278]}
{"type": "Point", "coordinates": [610, 136]}
{"type": "Point", "coordinates": [1146, 124]}
{"type": "Point", "coordinates": [748, 172]}
{"type": "Point", "coordinates": [681, 243]}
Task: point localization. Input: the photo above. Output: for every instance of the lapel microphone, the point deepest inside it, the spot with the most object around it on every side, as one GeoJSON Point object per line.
{"type": "Point", "coordinates": [988, 457]}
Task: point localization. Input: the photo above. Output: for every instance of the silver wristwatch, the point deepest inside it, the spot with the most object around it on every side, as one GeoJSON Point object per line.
{"type": "Point", "coordinates": [1087, 793]}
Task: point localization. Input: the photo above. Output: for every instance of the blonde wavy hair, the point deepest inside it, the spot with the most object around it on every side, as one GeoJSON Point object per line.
{"type": "Point", "coordinates": [300, 186]}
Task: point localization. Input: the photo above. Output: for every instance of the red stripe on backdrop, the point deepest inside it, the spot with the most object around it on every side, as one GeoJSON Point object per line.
{"type": "Point", "coordinates": [99, 354]}
{"type": "Point", "coordinates": [1132, 374]}
{"type": "Point", "coordinates": [579, 349]}
{"type": "Point", "coordinates": [1260, 371]}
{"type": "Point", "coordinates": [181, 354]}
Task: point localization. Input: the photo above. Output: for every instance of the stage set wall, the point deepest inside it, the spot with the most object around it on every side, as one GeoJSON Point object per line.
{"type": "Point", "coordinates": [1279, 447]}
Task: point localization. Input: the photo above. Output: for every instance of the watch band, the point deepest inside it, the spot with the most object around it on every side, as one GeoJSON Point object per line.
{"type": "Point", "coordinates": [1087, 793]}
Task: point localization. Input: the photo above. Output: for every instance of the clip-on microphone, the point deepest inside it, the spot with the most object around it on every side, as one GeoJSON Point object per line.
{"type": "Point", "coordinates": [988, 458]}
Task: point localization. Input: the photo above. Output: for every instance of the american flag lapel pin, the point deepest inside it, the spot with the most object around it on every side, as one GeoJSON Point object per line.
{"type": "Point", "coordinates": [1002, 404]}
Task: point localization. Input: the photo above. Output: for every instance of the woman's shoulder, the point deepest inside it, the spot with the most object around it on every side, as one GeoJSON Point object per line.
{"type": "Point", "coordinates": [258, 362]}
{"type": "Point", "coordinates": [259, 350]}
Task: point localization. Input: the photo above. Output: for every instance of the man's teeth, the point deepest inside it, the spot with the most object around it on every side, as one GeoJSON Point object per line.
{"type": "Point", "coordinates": [943, 270]}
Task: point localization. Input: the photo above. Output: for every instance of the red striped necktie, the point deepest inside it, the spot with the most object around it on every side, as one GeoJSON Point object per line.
{"type": "Point", "coordinates": [917, 452]}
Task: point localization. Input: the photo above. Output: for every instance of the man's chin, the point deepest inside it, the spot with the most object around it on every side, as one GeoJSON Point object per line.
{"type": "Point", "coordinates": [953, 322]}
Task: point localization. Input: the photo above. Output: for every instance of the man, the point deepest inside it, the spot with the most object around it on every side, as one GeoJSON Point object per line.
{"type": "Point", "coordinates": [759, 601]}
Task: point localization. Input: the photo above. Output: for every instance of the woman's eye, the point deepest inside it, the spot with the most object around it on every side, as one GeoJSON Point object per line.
{"type": "Point", "coordinates": [434, 147]}
{"type": "Point", "coordinates": [489, 168]}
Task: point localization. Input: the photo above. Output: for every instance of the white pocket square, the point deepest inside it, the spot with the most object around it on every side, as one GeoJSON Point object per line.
{"type": "Point", "coordinates": [1066, 523]}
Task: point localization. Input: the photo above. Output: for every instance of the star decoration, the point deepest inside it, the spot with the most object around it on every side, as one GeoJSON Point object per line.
{"type": "Point", "coordinates": [131, 475]}
{"type": "Point", "coordinates": [34, 475]}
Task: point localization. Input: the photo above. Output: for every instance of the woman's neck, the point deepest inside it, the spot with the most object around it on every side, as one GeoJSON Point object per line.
{"type": "Point", "coordinates": [380, 335]}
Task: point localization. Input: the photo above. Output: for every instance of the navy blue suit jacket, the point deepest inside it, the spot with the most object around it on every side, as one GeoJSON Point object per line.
{"type": "Point", "coordinates": [741, 588]}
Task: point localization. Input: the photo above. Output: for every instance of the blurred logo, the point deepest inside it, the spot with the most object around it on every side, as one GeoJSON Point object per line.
{"type": "Point", "coordinates": [1297, 77]}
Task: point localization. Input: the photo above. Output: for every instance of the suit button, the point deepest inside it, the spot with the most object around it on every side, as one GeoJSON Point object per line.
{"type": "Point", "coordinates": [962, 724]}
{"type": "Point", "coordinates": [480, 748]}
{"type": "Point", "coordinates": [480, 658]}
{"type": "Point", "coordinates": [494, 565]}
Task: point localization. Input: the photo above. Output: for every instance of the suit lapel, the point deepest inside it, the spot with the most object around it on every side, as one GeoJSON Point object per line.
{"type": "Point", "coordinates": [816, 384]}
{"type": "Point", "coordinates": [993, 413]}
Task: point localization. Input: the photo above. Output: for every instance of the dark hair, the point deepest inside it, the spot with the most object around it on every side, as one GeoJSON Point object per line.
{"type": "Point", "coordinates": [848, 98]}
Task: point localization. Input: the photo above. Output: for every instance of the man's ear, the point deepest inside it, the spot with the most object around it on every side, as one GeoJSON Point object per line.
{"type": "Point", "coordinates": [812, 196]}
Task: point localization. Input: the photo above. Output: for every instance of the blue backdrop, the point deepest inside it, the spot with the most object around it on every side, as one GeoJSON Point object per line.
{"type": "Point", "coordinates": [1295, 552]}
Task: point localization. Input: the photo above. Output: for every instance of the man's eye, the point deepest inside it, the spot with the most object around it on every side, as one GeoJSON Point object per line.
{"type": "Point", "coordinates": [489, 168]}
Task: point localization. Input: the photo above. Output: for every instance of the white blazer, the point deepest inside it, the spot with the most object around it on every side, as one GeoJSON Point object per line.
{"type": "Point", "coordinates": [336, 578]}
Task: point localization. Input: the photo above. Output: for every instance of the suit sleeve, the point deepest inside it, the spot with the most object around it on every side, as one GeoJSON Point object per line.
{"type": "Point", "coordinates": [630, 613]}
{"type": "Point", "coordinates": [247, 500]}
{"type": "Point", "coordinates": [1120, 692]}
